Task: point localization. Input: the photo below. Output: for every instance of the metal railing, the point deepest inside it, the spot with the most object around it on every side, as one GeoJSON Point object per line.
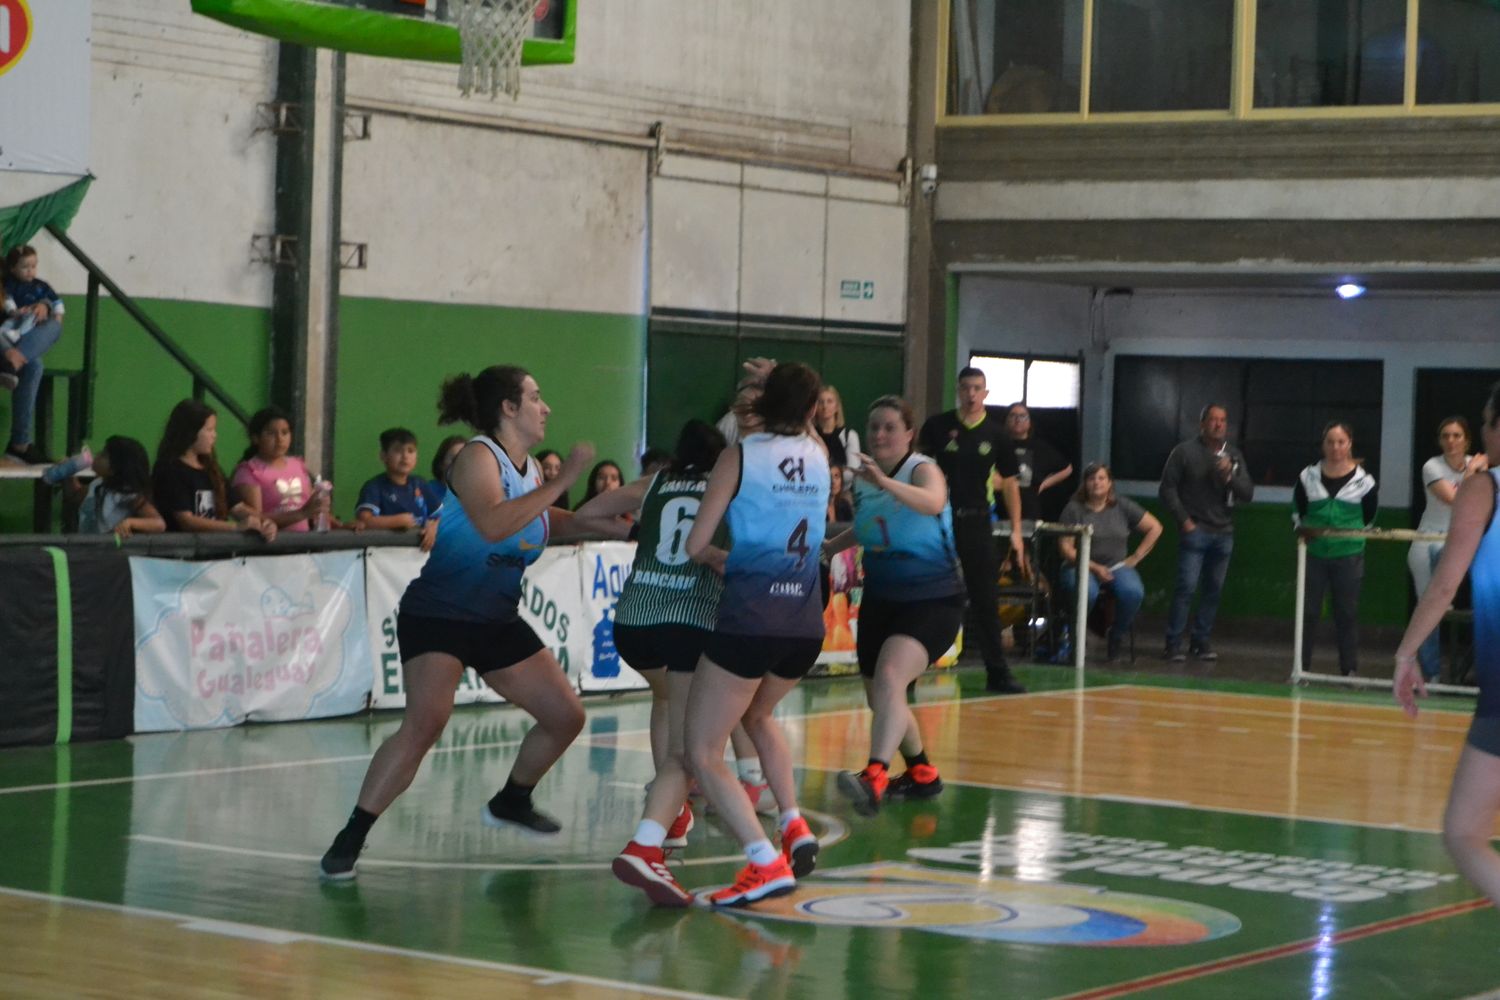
{"type": "Point", "coordinates": [81, 414]}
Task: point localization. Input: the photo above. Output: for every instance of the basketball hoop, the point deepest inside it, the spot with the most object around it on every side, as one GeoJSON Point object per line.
{"type": "Point", "coordinates": [492, 33]}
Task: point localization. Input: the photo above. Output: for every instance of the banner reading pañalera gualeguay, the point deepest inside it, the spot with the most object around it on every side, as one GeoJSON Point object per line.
{"type": "Point", "coordinates": [268, 638]}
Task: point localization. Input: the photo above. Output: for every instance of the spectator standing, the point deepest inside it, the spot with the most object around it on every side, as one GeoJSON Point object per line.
{"type": "Point", "coordinates": [603, 477]}
{"type": "Point", "coordinates": [1039, 465]}
{"type": "Point", "coordinates": [35, 313]}
{"type": "Point", "coordinates": [1441, 477]}
{"type": "Point", "coordinates": [1335, 493]}
{"type": "Point", "coordinates": [1112, 566]}
{"type": "Point", "coordinates": [842, 442]}
{"type": "Point", "coordinates": [970, 447]}
{"type": "Point", "coordinates": [1203, 479]}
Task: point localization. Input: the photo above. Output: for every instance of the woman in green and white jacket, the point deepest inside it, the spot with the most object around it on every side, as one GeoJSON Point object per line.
{"type": "Point", "coordinates": [1335, 493]}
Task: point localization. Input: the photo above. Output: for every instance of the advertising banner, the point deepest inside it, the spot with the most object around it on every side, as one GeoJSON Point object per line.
{"type": "Point", "coordinates": [603, 568]}
{"type": "Point", "coordinates": [551, 604]}
{"type": "Point", "coordinates": [269, 638]}
{"type": "Point", "coordinates": [45, 77]}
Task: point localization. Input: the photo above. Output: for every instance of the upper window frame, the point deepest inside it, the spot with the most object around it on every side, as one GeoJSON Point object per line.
{"type": "Point", "coordinates": [1241, 86]}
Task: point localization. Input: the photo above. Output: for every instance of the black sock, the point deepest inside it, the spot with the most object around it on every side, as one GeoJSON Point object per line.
{"type": "Point", "coordinates": [912, 760]}
{"type": "Point", "coordinates": [358, 827]}
{"type": "Point", "coordinates": [875, 760]}
{"type": "Point", "coordinates": [512, 795]}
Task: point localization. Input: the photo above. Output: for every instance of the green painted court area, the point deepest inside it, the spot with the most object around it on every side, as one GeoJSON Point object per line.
{"type": "Point", "coordinates": [985, 891]}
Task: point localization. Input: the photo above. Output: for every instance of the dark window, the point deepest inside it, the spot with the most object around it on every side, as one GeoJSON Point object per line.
{"type": "Point", "coordinates": [1011, 57]}
{"type": "Point", "coordinates": [1457, 43]}
{"type": "Point", "coordinates": [1277, 410]}
{"type": "Point", "coordinates": [1162, 55]}
{"type": "Point", "coordinates": [1330, 53]}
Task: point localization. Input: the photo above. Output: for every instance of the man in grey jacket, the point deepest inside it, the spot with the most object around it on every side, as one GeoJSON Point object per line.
{"type": "Point", "coordinates": [1203, 479]}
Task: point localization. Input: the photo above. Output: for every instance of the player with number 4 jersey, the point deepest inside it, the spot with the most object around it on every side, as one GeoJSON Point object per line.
{"type": "Point", "coordinates": [773, 491]}
{"type": "Point", "coordinates": [913, 604]}
{"type": "Point", "coordinates": [662, 622]}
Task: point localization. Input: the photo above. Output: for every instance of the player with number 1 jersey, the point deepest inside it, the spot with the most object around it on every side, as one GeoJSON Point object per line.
{"type": "Point", "coordinates": [913, 603]}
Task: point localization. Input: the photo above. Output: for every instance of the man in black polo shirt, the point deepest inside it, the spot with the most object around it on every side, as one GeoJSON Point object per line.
{"type": "Point", "coordinates": [969, 445]}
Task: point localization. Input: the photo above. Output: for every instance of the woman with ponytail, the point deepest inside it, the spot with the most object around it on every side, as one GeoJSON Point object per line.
{"type": "Point", "coordinates": [463, 608]}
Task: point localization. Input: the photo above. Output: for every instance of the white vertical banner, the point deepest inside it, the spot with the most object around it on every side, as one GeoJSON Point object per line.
{"type": "Point", "coordinates": [603, 568]}
{"type": "Point", "coordinates": [269, 638]}
{"type": "Point", "coordinates": [387, 572]}
{"type": "Point", "coordinates": [44, 87]}
{"type": "Point", "coordinates": [552, 606]}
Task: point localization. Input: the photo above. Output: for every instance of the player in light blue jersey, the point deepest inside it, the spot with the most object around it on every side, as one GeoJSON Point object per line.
{"type": "Point", "coordinates": [1472, 547]}
{"type": "Point", "coordinates": [773, 490]}
{"type": "Point", "coordinates": [914, 597]}
{"type": "Point", "coordinates": [462, 610]}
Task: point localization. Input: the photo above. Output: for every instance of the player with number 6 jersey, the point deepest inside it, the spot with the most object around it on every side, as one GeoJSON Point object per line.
{"type": "Point", "coordinates": [913, 603]}
{"type": "Point", "coordinates": [773, 491]}
{"type": "Point", "coordinates": [662, 622]}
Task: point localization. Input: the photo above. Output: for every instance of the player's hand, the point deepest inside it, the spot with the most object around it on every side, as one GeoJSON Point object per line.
{"type": "Point", "coordinates": [759, 368]}
{"type": "Point", "coordinates": [1409, 685]}
{"type": "Point", "coordinates": [429, 535]}
{"type": "Point", "coordinates": [870, 471]}
{"type": "Point", "coordinates": [580, 457]}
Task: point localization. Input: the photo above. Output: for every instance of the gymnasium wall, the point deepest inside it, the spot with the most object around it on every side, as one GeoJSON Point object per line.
{"type": "Point", "coordinates": [1405, 331]}
{"type": "Point", "coordinates": [494, 231]}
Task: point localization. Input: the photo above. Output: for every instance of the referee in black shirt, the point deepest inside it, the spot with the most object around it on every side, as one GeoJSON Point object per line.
{"type": "Point", "coordinates": [969, 445]}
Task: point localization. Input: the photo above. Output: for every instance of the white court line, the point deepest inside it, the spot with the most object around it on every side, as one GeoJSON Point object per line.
{"type": "Point", "coordinates": [539, 975]}
{"type": "Point", "coordinates": [1362, 741]}
{"type": "Point", "coordinates": [1237, 730]}
{"type": "Point", "coordinates": [502, 744]}
{"type": "Point", "coordinates": [834, 830]}
{"type": "Point", "coordinates": [1169, 724]}
{"type": "Point", "coordinates": [1398, 723]}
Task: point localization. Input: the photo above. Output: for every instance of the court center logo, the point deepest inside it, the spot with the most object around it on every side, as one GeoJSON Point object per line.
{"type": "Point", "coordinates": [911, 897]}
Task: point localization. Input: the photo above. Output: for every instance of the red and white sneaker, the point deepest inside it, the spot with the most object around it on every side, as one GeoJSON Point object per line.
{"type": "Point", "coordinates": [761, 799]}
{"type": "Point", "coordinates": [646, 869]}
{"type": "Point", "coordinates": [865, 789]}
{"type": "Point", "coordinates": [678, 831]}
{"type": "Point", "coordinates": [756, 882]}
{"type": "Point", "coordinates": [799, 848]}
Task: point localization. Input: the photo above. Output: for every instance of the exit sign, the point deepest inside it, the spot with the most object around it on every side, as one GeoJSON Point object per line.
{"type": "Point", "coordinates": [853, 288]}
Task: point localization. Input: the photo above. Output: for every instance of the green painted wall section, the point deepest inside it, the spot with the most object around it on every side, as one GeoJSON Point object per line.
{"type": "Point", "coordinates": [1262, 579]}
{"type": "Point", "coordinates": [138, 383]}
{"type": "Point", "coordinates": [393, 357]}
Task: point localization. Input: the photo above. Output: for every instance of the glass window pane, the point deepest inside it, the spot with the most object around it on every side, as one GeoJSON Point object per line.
{"type": "Point", "coordinates": [1011, 57]}
{"type": "Point", "coordinates": [1052, 385]}
{"type": "Point", "coordinates": [1162, 55]}
{"type": "Point", "coordinates": [1458, 52]}
{"type": "Point", "coordinates": [1329, 53]}
{"type": "Point", "coordinates": [1004, 377]}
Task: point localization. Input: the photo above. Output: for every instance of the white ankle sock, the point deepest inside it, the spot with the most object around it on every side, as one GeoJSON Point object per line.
{"type": "Point", "coordinates": [650, 833]}
{"type": "Point", "coordinates": [761, 853]}
{"type": "Point", "coordinates": [749, 769]}
{"type": "Point", "coordinates": [787, 817]}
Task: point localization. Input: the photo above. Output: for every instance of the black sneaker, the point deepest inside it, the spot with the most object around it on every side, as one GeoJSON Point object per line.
{"type": "Point", "coordinates": [1003, 683]}
{"type": "Point", "coordinates": [31, 454]}
{"type": "Point", "coordinates": [499, 813]}
{"type": "Point", "coordinates": [909, 784]}
{"type": "Point", "coordinates": [1112, 649]}
{"type": "Point", "coordinates": [1203, 652]}
{"type": "Point", "coordinates": [338, 864]}
{"type": "Point", "coordinates": [1174, 654]}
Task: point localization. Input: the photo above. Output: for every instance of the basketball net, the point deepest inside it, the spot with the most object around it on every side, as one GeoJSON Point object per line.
{"type": "Point", "coordinates": [492, 33]}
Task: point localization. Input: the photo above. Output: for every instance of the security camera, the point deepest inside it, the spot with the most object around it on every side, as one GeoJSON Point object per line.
{"type": "Point", "coordinates": [927, 178]}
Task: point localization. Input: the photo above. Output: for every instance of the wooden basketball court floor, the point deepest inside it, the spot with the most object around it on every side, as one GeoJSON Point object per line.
{"type": "Point", "coordinates": [1116, 840]}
